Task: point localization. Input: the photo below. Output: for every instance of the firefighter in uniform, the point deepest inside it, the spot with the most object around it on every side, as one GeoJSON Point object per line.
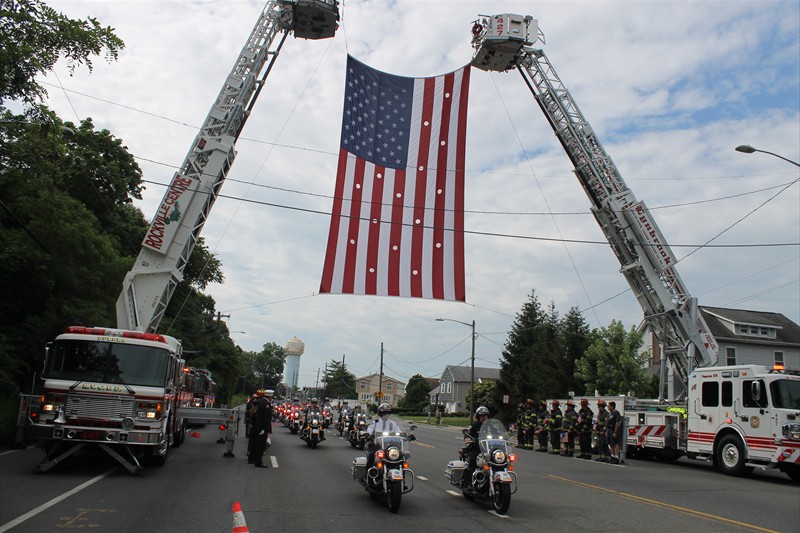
{"type": "Point", "coordinates": [600, 431]}
{"type": "Point", "coordinates": [569, 424]}
{"type": "Point", "coordinates": [262, 427]}
{"type": "Point", "coordinates": [521, 427]}
{"type": "Point", "coordinates": [542, 421]}
{"type": "Point", "coordinates": [585, 416]}
{"type": "Point", "coordinates": [531, 420]}
{"type": "Point", "coordinates": [554, 428]}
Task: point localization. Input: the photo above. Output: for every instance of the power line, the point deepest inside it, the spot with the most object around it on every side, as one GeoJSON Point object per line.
{"type": "Point", "coordinates": [482, 233]}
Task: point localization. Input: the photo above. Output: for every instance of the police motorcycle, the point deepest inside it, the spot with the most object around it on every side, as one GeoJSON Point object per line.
{"type": "Point", "coordinates": [294, 421]}
{"type": "Point", "coordinates": [344, 423]}
{"type": "Point", "coordinates": [327, 416]}
{"type": "Point", "coordinates": [357, 437]}
{"type": "Point", "coordinates": [390, 476]}
{"type": "Point", "coordinates": [494, 478]}
{"type": "Point", "coordinates": [313, 432]}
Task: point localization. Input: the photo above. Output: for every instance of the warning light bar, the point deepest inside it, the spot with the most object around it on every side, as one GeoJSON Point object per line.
{"type": "Point", "coordinates": [82, 330]}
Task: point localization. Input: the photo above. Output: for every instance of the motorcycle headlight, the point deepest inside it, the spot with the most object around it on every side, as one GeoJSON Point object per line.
{"type": "Point", "coordinates": [498, 456]}
{"type": "Point", "coordinates": [393, 453]}
{"type": "Point", "coordinates": [315, 422]}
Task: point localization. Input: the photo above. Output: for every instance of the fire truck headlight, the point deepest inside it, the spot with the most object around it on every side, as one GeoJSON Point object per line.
{"type": "Point", "coordinates": [128, 423]}
{"type": "Point", "coordinates": [148, 410]}
{"type": "Point", "coordinates": [791, 431]}
{"type": "Point", "coordinates": [51, 405]}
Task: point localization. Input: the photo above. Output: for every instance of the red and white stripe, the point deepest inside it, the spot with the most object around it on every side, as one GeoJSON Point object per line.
{"type": "Point", "coordinates": [399, 232]}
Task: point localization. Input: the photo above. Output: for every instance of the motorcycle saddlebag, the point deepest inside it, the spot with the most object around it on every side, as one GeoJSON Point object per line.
{"type": "Point", "coordinates": [455, 471]}
{"type": "Point", "coordinates": [359, 468]}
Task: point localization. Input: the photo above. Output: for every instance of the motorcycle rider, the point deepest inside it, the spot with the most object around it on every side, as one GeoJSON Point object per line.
{"type": "Point", "coordinates": [343, 410]}
{"type": "Point", "coordinates": [585, 416]}
{"type": "Point", "coordinates": [554, 428]}
{"type": "Point", "coordinates": [471, 451]}
{"type": "Point", "coordinates": [380, 425]}
{"type": "Point", "coordinates": [312, 408]}
{"type": "Point", "coordinates": [351, 422]}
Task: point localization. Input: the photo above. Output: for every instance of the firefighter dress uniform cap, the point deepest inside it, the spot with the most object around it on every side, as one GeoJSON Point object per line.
{"type": "Point", "coordinates": [269, 392]}
{"type": "Point", "coordinates": [261, 393]}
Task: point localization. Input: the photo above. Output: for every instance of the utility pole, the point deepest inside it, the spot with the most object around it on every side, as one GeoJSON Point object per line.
{"type": "Point", "coordinates": [220, 316]}
{"type": "Point", "coordinates": [380, 379]}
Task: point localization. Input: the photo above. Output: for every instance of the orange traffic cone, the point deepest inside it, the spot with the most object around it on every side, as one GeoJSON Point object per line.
{"type": "Point", "coordinates": [239, 525]}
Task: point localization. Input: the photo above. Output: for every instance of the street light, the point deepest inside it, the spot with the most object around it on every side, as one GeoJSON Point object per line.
{"type": "Point", "coordinates": [747, 149]}
{"type": "Point", "coordinates": [472, 367]}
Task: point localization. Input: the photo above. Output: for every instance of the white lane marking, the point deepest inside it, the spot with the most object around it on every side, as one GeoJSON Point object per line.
{"type": "Point", "coordinates": [274, 461]}
{"type": "Point", "coordinates": [54, 501]}
{"type": "Point", "coordinates": [454, 493]}
{"type": "Point", "coordinates": [422, 478]}
{"type": "Point", "coordinates": [498, 515]}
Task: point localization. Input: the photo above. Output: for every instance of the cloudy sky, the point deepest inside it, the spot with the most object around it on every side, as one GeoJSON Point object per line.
{"type": "Point", "coordinates": [670, 88]}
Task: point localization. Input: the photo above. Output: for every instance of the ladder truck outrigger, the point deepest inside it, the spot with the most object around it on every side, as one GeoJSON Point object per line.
{"type": "Point", "coordinates": [121, 388]}
{"type": "Point", "coordinates": [740, 417]}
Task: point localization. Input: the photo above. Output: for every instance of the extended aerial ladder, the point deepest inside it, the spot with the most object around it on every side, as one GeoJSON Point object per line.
{"type": "Point", "coordinates": [173, 233]}
{"type": "Point", "coordinates": [503, 42]}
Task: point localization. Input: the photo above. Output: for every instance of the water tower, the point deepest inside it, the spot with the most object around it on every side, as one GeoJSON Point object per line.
{"type": "Point", "coordinates": [294, 348]}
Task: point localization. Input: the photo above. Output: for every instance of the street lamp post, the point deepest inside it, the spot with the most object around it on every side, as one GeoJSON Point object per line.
{"type": "Point", "coordinates": [747, 149]}
{"type": "Point", "coordinates": [472, 367]}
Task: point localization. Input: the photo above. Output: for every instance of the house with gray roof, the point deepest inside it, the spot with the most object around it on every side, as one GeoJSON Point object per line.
{"type": "Point", "coordinates": [745, 337]}
{"type": "Point", "coordinates": [455, 384]}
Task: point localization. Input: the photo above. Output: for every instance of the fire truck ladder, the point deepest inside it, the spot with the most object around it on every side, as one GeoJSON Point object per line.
{"type": "Point", "coordinates": [644, 255]}
{"type": "Point", "coordinates": [148, 287]}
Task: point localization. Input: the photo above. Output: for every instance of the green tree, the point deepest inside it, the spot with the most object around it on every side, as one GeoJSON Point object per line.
{"type": "Point", "coordinates": [612, 363]}
{"type": "Point", "coordinates": [265, 366]}
{"type": "Point", "coordinates": [532, 360]}
{"type": "Point", "coordinates": [487, 394]}
{"type": "Point", "coordinates": [34, 36]}
{"type": "Point", "coordinates": [417, 390]}
{"type": "Point", "coordinates": [339, 382]}
{"type": "Point", "coordinates": [575, 336]}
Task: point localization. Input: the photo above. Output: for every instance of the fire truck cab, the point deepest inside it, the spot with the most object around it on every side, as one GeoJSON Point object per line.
{"type": "Point", "coordinates": [745, 416]}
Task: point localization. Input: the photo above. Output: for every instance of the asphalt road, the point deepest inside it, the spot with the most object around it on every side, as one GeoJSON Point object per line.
{"type": "Point", "coordinates": [312, 490]}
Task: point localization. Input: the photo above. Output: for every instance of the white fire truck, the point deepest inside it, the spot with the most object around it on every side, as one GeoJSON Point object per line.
{"type": "Point", "coordinates": [739, 417]}
{"type": "Point", "coordinates": [113, 388]}
{"type": "Point", "coordinates": [121, 388]}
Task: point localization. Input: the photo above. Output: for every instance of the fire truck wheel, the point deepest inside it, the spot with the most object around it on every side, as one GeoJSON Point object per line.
{"type": "Point", "coordinates": [730, 456]}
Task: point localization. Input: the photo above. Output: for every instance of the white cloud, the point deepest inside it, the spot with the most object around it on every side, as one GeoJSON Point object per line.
{"type": "Point", "coordinates": [670, 88]}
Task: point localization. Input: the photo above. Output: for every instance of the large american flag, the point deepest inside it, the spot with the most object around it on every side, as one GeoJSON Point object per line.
{"type": "Point", "coordinates": [397, 226]}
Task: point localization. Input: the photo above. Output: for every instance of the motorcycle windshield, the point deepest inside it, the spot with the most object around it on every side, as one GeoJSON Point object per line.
{"type": "Point", "coordinates": [387, 441]}
{"type": "Point", "coordinates": [493, 435]}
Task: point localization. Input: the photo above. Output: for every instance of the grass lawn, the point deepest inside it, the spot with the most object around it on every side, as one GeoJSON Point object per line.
{"type": "Point", "coordinates": [446, 420]}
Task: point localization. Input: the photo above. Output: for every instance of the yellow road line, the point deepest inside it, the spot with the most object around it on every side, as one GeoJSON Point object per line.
{"type": "Point", "coordinates": [663, 505]}
{"type": "Point", "coordinates": [418, 443]}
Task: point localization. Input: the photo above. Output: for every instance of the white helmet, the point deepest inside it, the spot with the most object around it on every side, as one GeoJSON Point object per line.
{"type": "Point", "coordinates": [384, 408]}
